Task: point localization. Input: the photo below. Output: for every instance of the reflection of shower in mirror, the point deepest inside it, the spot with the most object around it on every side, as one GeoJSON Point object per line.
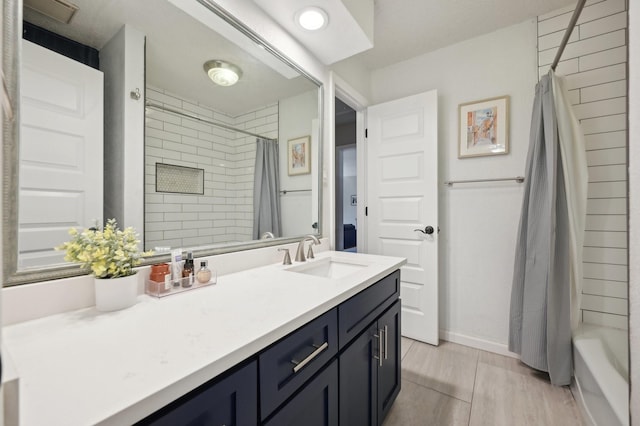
{"type": "Point", "coordinates": [274, 98]}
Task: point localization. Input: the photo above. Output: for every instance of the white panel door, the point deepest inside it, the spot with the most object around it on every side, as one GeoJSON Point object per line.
{"type": "Point", "coordinates": [402, 201]}
{"type": "Point", "coordinates": [61, 138]}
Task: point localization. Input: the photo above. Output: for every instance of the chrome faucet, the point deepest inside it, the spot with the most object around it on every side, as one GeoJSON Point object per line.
{"type": "Point", "coordinates": [287, 258]}
{"type": "Point", "coordinates": [300, 251]}
{"type": "Point", "coordinates": [267, 235]}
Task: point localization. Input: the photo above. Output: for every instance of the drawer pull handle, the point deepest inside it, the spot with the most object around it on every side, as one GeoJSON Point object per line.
{"type": "Point", "coordinates": [300, 364]}
{"type": "Point", "coordinates": [379, 336]}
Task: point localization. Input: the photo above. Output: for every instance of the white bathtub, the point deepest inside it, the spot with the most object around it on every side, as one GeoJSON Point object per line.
{"type": "Point", "coordinates": [601, 364]}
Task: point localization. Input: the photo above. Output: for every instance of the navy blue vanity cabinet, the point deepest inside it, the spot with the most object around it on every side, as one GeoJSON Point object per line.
{"type": "Point", "coordinates": [389, 371]}
{"type": "Point", "coordinates": [231, 401]}
{"type": "Point", "coordinates": [289, 363]}
{"type": "Point", "coordinates": [316, 404]}
{"type": "Point", "coordinates": [341, 368]}
{"type": "Point", "coordinates": [369, 365]}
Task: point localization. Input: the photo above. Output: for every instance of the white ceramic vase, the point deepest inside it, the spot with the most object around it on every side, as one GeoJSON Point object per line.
{"type": "Point", "coordinates": [116, 293]}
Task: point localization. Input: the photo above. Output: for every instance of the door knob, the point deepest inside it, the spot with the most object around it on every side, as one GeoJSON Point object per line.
{"type": "Point", "coordinates": [428, 230]}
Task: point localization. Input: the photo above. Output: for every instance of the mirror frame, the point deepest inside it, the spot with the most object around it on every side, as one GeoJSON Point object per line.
{"type": "Point", "coordinates": [11, 60]}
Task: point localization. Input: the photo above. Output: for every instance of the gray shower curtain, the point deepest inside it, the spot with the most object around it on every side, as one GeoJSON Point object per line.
{"type": "Point", "coordinates": [266, 189]}
{"type": "Point", "coordinates": [540, 316]}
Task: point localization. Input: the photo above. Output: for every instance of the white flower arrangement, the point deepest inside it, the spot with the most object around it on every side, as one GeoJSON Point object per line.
{"type": "Point", "coordinates": [110, 253]}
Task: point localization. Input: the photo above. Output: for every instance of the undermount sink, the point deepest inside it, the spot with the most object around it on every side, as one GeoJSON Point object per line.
{"type": "Point", "coordinates": [328, 268]}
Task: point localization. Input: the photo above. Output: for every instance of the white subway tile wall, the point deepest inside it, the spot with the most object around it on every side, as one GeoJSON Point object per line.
{"type": "Point", "coordinates": [595, 63]}
{"type": "Point", "coordinates": [225, 211]}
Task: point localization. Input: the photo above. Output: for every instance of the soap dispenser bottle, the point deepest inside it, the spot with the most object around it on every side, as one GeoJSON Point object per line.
{"type": "Point", "coordinates": [204, 274]}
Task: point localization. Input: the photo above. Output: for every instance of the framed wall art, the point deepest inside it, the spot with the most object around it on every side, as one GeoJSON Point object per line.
{"type": "Point", "coordinates": [484, 127]}
{"type": "Point", "coordinates": [299, 156]}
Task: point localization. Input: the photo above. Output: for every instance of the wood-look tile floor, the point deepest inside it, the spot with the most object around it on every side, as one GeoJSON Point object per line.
{"type": "Point", "coordinates": [457, 385]}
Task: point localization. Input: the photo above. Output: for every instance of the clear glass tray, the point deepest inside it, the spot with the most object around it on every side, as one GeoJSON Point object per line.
{"type": "Point", "coordinates": [160, 289]}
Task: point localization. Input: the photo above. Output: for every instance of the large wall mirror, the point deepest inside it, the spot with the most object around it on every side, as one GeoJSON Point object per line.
{"type": "Point", "coordinates": [208, 167]}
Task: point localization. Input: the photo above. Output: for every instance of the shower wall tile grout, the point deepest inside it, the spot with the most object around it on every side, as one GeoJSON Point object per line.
{"type": "Point", "coordinates": [225, 211]}
{"type": "Point", "coordinates": [594, 63]}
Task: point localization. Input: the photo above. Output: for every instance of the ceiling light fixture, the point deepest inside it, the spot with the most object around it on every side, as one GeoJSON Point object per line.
{"type": "Point", "coordinates": [222, 73]}
{"type": "Point", "coordinates": [312, 18]}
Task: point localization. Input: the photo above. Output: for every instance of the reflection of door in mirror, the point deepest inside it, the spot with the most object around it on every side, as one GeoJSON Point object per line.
{"type": "Point", "coordinates": [60, 152]}
{"type": "Point", "coordinates": [346, 177]}
{"type": "Point", "coordinates": [165, 57]}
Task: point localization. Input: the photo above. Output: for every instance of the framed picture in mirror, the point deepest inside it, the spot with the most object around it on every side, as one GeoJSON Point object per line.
{"type": "Point", "coordinates": [277, 99]}
{"type": "Point", "coordinates": [299, 158]}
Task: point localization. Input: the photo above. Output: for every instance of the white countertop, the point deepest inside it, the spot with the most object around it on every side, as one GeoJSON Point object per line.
{"type": "Point", "coordinates": [88, 367]}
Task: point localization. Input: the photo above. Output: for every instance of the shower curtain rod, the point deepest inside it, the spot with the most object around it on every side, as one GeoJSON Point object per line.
{"type": "Point", "coordinates": [567, 33]}
{"type": "Point", "coordinates": [204, 120]}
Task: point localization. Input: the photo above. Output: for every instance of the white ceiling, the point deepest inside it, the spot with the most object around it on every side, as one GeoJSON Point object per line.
{"type": "Point", "coordinates": [404, 29]}
{"type": "Point", "coordinates": [178, 45]}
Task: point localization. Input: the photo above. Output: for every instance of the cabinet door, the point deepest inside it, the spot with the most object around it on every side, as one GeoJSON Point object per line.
{"type": "Point", "coordinates": [358, 380]}
{"type": "Point", "coordinates": [232, 401]}
{"type": "Point", "coordinates": [315, 405]}
{"type": "Point", "coordinates": [389, 372]}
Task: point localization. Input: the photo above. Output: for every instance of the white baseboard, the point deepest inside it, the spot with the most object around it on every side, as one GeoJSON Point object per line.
{"type": "Point", "coordinates": [474, 342]}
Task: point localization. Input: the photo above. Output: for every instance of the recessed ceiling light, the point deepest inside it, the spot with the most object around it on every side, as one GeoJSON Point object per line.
{"type": "Point", "coordinates": [222, 73]}
{"type": "Point", "coordinates": [312, 18]}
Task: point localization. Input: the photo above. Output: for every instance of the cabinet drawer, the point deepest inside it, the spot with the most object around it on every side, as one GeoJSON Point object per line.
{"type": "Point", "coordinates": [357, 313]}
{"type": "Point", "coordinates": [315, 405]}
{"type": "Point", "coordinates": [290, 362]}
